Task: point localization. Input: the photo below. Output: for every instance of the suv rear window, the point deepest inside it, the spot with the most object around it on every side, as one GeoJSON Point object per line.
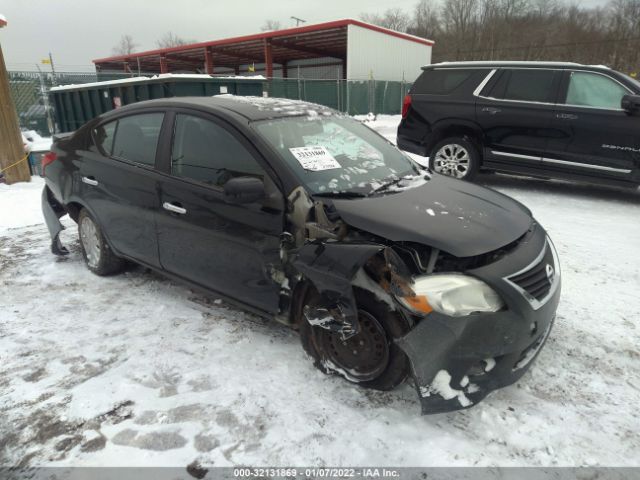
{"type": "Point", "coordinates": [442, 81]}
{"type": "Point", "coordinates": [525, 85]}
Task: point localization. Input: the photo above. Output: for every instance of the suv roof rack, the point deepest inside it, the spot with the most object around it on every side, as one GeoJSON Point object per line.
{"type": "Point", "coordinates": [487, 64]}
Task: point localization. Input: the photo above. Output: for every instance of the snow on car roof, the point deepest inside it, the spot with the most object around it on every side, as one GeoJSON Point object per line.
{"type": "Point", "coordinates": [252, 108]}
{"type": "Point", "coordinates": [270, 107]}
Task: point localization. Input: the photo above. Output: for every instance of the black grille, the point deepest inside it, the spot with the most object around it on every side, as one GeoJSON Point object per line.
{"type": "Point", "coordinates": [538, 279]}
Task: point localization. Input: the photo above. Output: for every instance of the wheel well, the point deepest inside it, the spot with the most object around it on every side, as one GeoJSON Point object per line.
{"type": "Point", "coordinates": [298, 296]}
{"type": "Point", "coordinates": [73, 209]}
{"type": "Point", "coordinates": [459, 131]}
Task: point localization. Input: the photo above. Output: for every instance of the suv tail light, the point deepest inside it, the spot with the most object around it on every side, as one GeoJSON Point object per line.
{"type": "Point", "coordinates": [47, 159]}
{"type": "Point", "coordinates": [406, 103]}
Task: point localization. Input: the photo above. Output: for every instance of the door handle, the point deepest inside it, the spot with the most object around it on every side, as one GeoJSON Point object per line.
{"type": "Point", "coordinates": [491, 110]}
{"type": "Point", "coordinates": [566, 116]}
{"type": "Point", "coordinates": [90, 181]}
{"type": "Point", "coordinates": [174, 208]}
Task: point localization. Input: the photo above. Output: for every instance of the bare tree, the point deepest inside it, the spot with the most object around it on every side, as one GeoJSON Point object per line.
{"type": "Point", "coordinates": [270, 25]}
{"type": "Point", "coordinates": [392, 18]}
{"type": "Point", "coordinates": [459, 17]}
{"type": "Point", "coordinates": [125, 46]}
{"type": "Point", "coordinates": [563, 30]}
{"type": "Point", "coordinates": [426, 20]}
{"type": "Point", "coordinates": [170, 39]}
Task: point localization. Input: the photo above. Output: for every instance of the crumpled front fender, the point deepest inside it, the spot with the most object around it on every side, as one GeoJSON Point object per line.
{"type": "Point", "coordinates": [331, 268]}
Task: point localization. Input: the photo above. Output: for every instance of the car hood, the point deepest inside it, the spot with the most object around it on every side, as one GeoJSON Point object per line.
{"type": "Point", "coordinates": [454, 216]}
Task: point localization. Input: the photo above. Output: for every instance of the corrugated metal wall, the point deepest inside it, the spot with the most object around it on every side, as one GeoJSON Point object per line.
{"type": "Point", "coordinates": [322, 68]}
{"type": "Point", "coordinates": [382, 56]}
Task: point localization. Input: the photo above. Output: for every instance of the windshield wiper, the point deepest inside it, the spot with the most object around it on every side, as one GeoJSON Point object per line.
{"type": "Point", "coordinates": [386, 185]}
{"type": "Point", "coordinates": [396, 181]}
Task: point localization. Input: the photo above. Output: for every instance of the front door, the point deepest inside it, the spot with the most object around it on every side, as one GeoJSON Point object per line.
{"type": "Point", "coordinates": [226, 247]}
{"type": "Point", "coordinates": [515, 113]}
{"type": "Point", "coordinates": [598, 138]}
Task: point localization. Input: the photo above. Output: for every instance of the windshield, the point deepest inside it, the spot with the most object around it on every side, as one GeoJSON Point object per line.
{"type": "Point", "coordinates": [333, 155]}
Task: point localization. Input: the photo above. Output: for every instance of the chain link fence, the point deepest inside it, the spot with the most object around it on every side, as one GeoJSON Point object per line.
{"type": "Point", "coordinates": [35, 111]}
{"type": "Point", "coordinates": [30, 93]}
{"type": "Point", "coordinates": [349, 96]}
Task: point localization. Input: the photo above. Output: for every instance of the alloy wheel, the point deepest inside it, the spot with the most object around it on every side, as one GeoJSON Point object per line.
{"type": "Point", "coordinates": [453, 160]}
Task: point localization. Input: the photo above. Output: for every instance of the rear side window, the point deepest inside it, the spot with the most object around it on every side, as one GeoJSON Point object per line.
{"type": "Point", "coordinates": [594, 90]}
{"type": "Point", "coordinates": [206, 152]}
{"type": "Point", "coordinates": [441, 81]}
{"type": "Point", "coordinates": [136, 138]}
{"type": "Point", "coordinates": [525, 85]}
{"type": "Point", "coordinates": [104, 135]}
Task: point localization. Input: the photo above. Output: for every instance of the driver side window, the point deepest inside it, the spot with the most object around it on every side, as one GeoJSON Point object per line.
{"type": "Point", "coordinates": [594, 90]}
{"type": "Point", "coordinates": [208, 153]}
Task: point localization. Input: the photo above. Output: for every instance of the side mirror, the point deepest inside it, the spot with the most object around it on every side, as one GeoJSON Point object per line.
{"type": "Point", "coordinates": [631, 104]}
{"type": "Point", "coordinates": [244, 190]}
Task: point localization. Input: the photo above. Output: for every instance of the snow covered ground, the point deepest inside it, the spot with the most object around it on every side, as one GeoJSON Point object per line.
{"type": "Point", "coordinates": [138, 370]}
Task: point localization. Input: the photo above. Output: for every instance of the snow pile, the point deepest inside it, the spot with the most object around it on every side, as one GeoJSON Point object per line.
{"type": "Point", "coordinates": [136, 369]}
{"type": "Point", "coordinates": [441, 385]}
{"type": "Point", "coordinates": [36, 142]}
{"type": "Point", "coordinates": [104, 83]}
{"type": "Point", "coordinates": [20, 205]}
{"type": "Point", "coordinates": [195, 76]}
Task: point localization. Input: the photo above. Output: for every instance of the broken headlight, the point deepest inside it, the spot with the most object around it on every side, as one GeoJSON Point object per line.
{"type": "Point", "coordinates": [452, 294]}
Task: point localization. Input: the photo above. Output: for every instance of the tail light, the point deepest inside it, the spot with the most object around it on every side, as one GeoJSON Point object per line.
{"type": "Point", "coordinates": [406, 103]}
{"type": "Point", "coordinates": [47, 159]}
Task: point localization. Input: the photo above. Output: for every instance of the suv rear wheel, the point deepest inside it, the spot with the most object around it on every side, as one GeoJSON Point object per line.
{"type": "Point", "coordinates": [456, 157]}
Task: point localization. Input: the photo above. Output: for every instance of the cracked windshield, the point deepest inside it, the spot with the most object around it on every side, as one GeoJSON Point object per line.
{"type": "Point", "coordinates": [339, 156]}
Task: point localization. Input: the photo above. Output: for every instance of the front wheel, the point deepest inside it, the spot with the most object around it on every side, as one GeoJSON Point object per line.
{"type": "Point", "coordinates": [371, 358]}
{"type": "Point", "coordinates": [97, 254]}
{"type": "Point", "coordinates": [456, 157]}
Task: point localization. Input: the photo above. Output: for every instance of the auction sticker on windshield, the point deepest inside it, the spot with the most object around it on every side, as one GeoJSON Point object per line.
{"type": "Point", "coordinates": [315, 158]}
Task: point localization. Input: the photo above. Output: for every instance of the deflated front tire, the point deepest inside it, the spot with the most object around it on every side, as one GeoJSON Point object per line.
{"type": "Point", "coordinates": [370, 358]}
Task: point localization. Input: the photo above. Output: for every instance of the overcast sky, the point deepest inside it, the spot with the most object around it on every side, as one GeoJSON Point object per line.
{"type": "Point", "coordinates": [77, 31]}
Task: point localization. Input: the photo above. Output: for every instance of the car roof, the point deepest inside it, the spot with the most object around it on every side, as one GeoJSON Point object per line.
{"type": "Point", "coordinates": [251, 108]}
{"type": "Point", "coordinates": [521, 64]}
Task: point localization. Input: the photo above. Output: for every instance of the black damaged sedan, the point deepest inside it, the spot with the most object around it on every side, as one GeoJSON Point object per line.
{"type": "Point", "coordinates": [300, 214]}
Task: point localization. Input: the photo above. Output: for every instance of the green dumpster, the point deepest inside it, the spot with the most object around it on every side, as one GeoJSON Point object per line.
{"type": "Point", "coordinates": [75, 105]}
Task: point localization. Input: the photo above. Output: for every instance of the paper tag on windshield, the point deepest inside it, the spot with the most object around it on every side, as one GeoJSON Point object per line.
{"type": "Point", "coordinates": [315, 158]}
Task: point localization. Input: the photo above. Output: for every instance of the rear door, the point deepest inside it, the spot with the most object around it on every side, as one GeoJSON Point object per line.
{"type": "Point", "coordinates": [515, 111]}
{"type": "Point", "coordinates": [597, 138]}
{"type": "Point", "coordinates": [119, 183]}
{"type": "Point", "coordinates": [233, 249]}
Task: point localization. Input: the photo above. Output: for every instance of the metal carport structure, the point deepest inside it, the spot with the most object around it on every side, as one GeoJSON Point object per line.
{"type": "Point", "coordinates": [272, 51]}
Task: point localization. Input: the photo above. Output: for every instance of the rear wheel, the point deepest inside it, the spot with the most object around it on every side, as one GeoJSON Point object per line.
{"type": "Point", "coordinates": [371, 358]}
{"type": "Point", "coordinates": [97, 254]}
{"type": "Point", "coordinates": [456, 157]}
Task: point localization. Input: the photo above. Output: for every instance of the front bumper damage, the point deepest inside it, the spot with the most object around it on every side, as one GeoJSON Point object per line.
{"type": "Point", "coordinates": [456, 362]}
{"type": "Point", "coordinates": [52, 212]}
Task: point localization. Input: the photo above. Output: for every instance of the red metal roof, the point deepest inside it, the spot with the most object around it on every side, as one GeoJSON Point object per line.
{"type": "Point", "coordinates": [327, 39]}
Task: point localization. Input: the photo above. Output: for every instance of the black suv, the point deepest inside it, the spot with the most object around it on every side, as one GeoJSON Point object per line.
{"type": "Point", "coordinates": [548, 119]}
